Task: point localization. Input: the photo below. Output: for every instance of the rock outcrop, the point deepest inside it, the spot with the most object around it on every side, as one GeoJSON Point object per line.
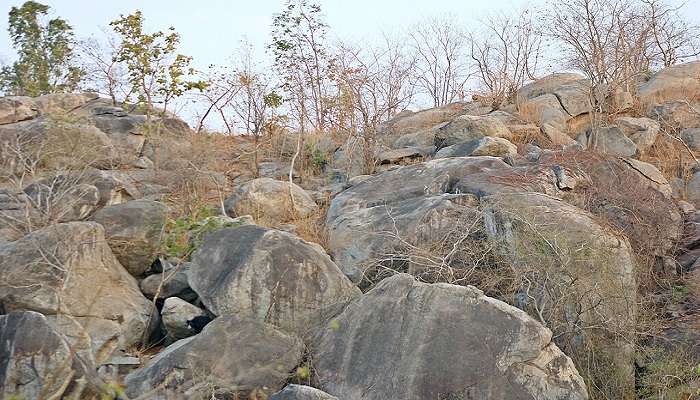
{"type": "Point", "coordinates": [410, 340]}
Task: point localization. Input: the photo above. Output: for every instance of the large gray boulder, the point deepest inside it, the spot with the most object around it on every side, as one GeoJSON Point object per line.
{"type": "Point", "coordinates": [68, 273]}
{"type": "Point", "coordinates": [409, 122]}
{"type": "Point", "coordinates": [642, 131]}
{"type": "Point", "coordinates": [230, 357]}
{"type": "Point", "coordinates": [678, 82]}
{"type": "Point", "coordinates": [609, 140]}
{"type": "Point", "coordinates": [486, 146]}
{"type": "Point", "coordinates": [691, 137]}
{"type": "Point", "coordinates": [58, 201]}
{"type": "Point", "coordinates": [270, 199]}
{"type": "Point", "coordinates": [133, 230]}
{"type": "Point", "coordinates": [37, 362]}
{"type": "Point", "coordinates": [177, 316]}
{"type": "Point", "coordinates": [301, 392]}
{"type": "Point", "coordinates": [268, 275]}
{"type": "Point", "coordinates": [467, 127]}
{"type": "Point", "coordinates": [366, 221]}
{"type": "Point", "coordinates": [547, 84]}
{"type": "Point", "coordinates": [16, 108]}
{"type": "Point", "coordinates": [411, 340]}
{"type": "Point", "coordinates": [579, 264]}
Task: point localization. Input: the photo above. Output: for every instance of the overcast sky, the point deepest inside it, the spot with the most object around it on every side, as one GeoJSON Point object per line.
{"type": "Point", "coordinates": [211, 29]}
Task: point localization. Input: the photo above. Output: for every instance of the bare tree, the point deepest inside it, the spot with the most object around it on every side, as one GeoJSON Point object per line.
{"type": "Point", "coordinates": [218, 97]}
{"type": "Point", "coordinates": [441, 68]}
{"type": "Point", "coordinates": [673, 38]}
{"type": "Point", "coordinates": [506, 55]}
{"type": "Point", "coordinates": [104, 74]}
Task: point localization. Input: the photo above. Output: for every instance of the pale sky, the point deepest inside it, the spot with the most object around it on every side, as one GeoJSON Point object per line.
{"type": "Point", "coordinates": [211, 29]}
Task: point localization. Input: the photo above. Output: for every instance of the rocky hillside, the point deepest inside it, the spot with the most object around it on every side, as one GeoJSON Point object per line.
{"type": "Point", "coordinates": [543, 250]}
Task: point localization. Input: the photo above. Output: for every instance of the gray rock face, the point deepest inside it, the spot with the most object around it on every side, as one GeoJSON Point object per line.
{"type": "Point", "coordinates": [544, 109]}
{"type": "Point", "coordinates": [409, 202]}
{"type": "Point", "coordinates": [410, 122]}
{"type": "Point", "coordinates": [68, 272]}
{"type": "Point", "coordinates": [609, 140]}
{"type": "Point", "coordinates": [691, 137]}
{"type": "Point", "coordinates": [37, 362]}
{"type": "Point", "coordinates": [574, 97]}
{"type": "Point", "coordinates": [269, 276]}
{"type": "Point", "coordinates": [410, 340]}
{"type": "Point", "coordinates": [678, 82]}
{"type": "Point", "coordinates": [547, 84]}
{"type": "Point", "coordinates": [301, 392]}
{"type": "Point", "coordinates": [61, 202]}
{"type": "Point", "coordinates": [234, 357]}
{"type": "Point", "coordinates": [590, 268]}
{"type": "Point", "coordinates": [169, 283]}
{"type": "Point", "coordinates": [678, 114]}
{"type": "Point", "coordinates": [486, 146]}
{"type": "Point", "coordinates": [16, 108]}
{"type": "Point", "coordinates": [467, 127]}
{"type": "Point", "coordinates": [176, 315]}
{"type": "Point", "coordinates": [402, 155]}
{"type": "Point", "coordinates": [133, 230]}
{"type": "Point", "coordinates": [271, 199]}
{"type": "Point", "coordinates": [642, 131]}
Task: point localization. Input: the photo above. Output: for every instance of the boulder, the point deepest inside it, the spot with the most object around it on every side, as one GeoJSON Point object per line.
{"type": "Point", "coordinates": [555, 134]}
{"type": "Point", "coordinates": [231, 357]}
{"type": "Point", "coordinates": [270, 199]}
{"type": "Point", "coordinates": [410, 340]}
{"type": "Point", "coordinates": [16, 108]}
{"type": "Point", "coordinates": [268, 275]}
{"type": "Point", "coordinates": [37, 362]}
{"type": "Point", "coordinates": [574, 97]}
{"type": "Point", "coordinates": [642, 131]}
{"type": "Point", "coordinates": [580, 265]}
{"type": "Point", "coordinates": [301, 392]}
{"type": "Point", "coordinates": [547, 84]}
{"type": "Point", "coordinates": [405, 204]}
{"type": "Point", "coordinates": [60, 201]}
{"type": "Point", "coordinates": [692, 189]}
{"type": "Point", "coordinates": [68, 273]}
{"type": "Point", "coordinates": [402, 155]}
{"type": "Point", "coordinates": [544, 109]}
{"type": "Point", "coordinates": [178, 316]}
{"type": "Point", "coordinates": [486, 146]}
{"type": "Point", "coordinates": [169, 283]}
{"type": "Point", "coordinates": [677, 114]}
{"type": "Point", "coordinates": [467, 127]}
{"type": "Point", "coordinates": [62, 103]}
{"type": "Point", "coordinates": [691, 137]}
{"type": "Point", "coordinates": [609, 140]}
{"type": "Point", "coordinates": [133, 230]}
{"type": "Point", "coordinates": [410, 122]}
{"type": "Point", "coordinates": [677, 82]}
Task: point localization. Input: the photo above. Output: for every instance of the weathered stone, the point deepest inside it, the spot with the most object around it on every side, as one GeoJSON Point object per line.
{"type": "Point", "coordinates": [574, 97]}
{"type": "Point", "coordinates": [268, 275]}
{"type": "Point", "coordinates": [67, 272]}
{"type": "Point", "coordinates": [271, 199]}
{"type": "Point", "coordinates": [234, 357]}
{"type": "Point", "coordinates": [556, 135]}
{"type": "Point", "coordinates": [301, 392]}
{"type": "Point", "coordinates": [642, 131]}
{"type": "Point", "coordinates": [37, 362]}
{"type": "Point", "coordinates": [547, 84]}
{"type": "Point", "coordinates": [590, 268]}
{"type": "Point", "coordinates": [678, 82]}
{"type": "Point", "coordinates": [397, 156]}
{"type": "Point", "coordinates": [467, 127]}
{"type": "Point", "coordinates": [62, 103]}
{"type": "Point", "coordinates": [16, 108]}
{"type": "Point", "coordinates": [486, 146]}
{"type": "Point", "coordinates": [437, 341]}
{"type": "Point", "coordinates": [369, 218]}
{"type": "Point", "coordinates": [691, 137]}
{"type": "Point", "coordinates": [133, 230]}
{"type": "Point", "coordinates": [677, 114]}
{"type": "Point", "coordinates": [59, 201]}
{"type": "Point", "coordinates": [609, 140]}
{"type": "Point", "coordinates": [177, 315]}
{"type": "Point", "coordinates": [169, 283]}
{"type": "Point", "coordinates": [410, 122]}
{"type": "Point", "coordinates": [544, 109]}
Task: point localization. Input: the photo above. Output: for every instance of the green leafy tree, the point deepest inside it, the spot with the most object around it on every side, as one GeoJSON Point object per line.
{"type": "Point", "coordinates": [302, 61]}
{"type": "Point", "coordinates": [45, 53]}
{"type": "Point", "coordinates": [156, 72]}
